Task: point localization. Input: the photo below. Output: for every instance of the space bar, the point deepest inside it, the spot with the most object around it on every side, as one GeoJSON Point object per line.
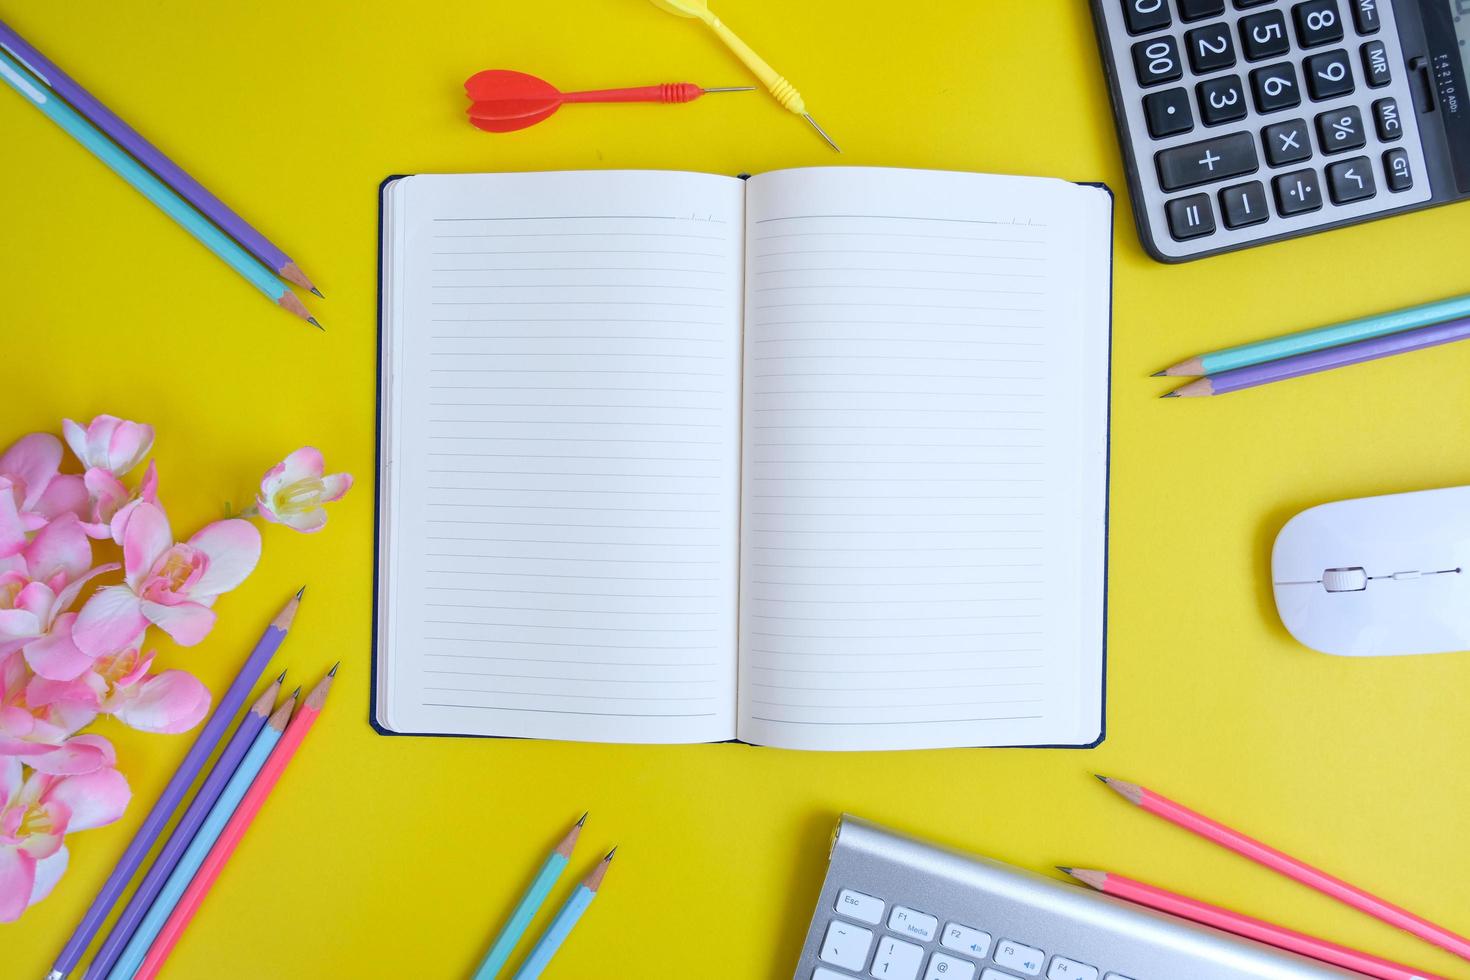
{"type": "Point", "coordinates": [1206, 161]}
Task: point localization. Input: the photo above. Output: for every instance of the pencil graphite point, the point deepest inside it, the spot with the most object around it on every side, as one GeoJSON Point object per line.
{"type": "Point", "coordinates": [1102, 779]}
{"type": "Point", "coordinates": [1159, 374]}
{"type": "Point", "coordinates": [609, 855]}
{"type": "Point", "coordinates": [300, 592]}
{"type": "Point", "coordinates": [282, 678]}
{"type": "Point", "coordinates": [287, 615]}
{"type": "Point", "coordinates": [312, 320]}
{"type": "Point", "coordinates": [1065, 871]}
{"type": "Point", "coordinates": [583, 818]}
{"type": "Point", "coordinates": [1170, 394]}
{"type": "Point", "coordinates": [296, 693]}
{"type": "Point", "coordinates": [317, 293]}
{"type": "Point", "coordinates": [333, 671]}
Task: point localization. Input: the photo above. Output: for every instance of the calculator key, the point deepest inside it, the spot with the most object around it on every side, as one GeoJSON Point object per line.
{"type": "Point", "coordinates": [822, 973]}
{"type": "Point", "coordinates": [1341, 130]}
{"type": "Point", "coordinates": [1168, 112]}
{"type": "Point", "coordinates": [856, 905]}
{"type": "Point", "coordinates": [1142, 16]}
{"type": "Point", "coordinates": [942, 967]}
{"type": "Point", "coordinates": [1210, 48]}
{"type": "Point", "coordinates": [1287, 142]}
{"type": "Point", "coordinates": [1247, 4]}
{"type": "Point", "coordinates": [1189, 217]}
{"type": "Point", "coordinates": [1157, 61]}
{"type": "Point", "coordinates": [915, 925]}
{"type": "Point", "coordinates": [1243, 204]}
{"type": "Point", "coordinates": [1365, 16]}
{"type": "Point", "coordinates": [1317, 23]}
{"type": "Point", "coordinates": [1275, 87]}
{"type": "Point", "coordinates": [1396, 170]}
{"type": "Point", "coordinates": [1386, 120]}
{"type": "Point", "coordinates": [965, 939]}
{"type": "Point", "coordinates": [1298, 192]}
{"type": "Point", "coordinates": [1351, 180]}
{"type": "Point", "coordinates": [997, 975]}
{"type": "Point", "coordinates": [1375, 64]}
{"type": "Point", "coordinates": [1200, 9]}
{"type": "Point", "coordinates": [846, 945]}
{"type": "Point", "coordinates": [1328, 75]}
{"type": "Point", "coordinates": [1263, 36]}
{"type": "Point", "coordinates": [1221, 100]}
{"type": "Point", "coordinates": [1206, 161]}
{"type": "Point", "coordinates": [1065, 969]}
{"type": "Point", "coordinates": [897, 960]}
{"type": "Point", "coordinates": [1015, 956]}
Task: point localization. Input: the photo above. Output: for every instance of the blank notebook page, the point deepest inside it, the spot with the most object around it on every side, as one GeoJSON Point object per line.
{"type": "Point", "coordinates": [562, 449]}
{"type": "Point", "coordinates": [925, 435]}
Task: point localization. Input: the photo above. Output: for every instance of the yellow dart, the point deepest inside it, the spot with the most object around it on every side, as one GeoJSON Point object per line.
{"type": "Point", "coordinates": [784, 91]}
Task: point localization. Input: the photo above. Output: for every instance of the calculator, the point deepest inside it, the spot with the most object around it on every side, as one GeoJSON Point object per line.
{"type": "Point", "coordinates": [1249, 121]}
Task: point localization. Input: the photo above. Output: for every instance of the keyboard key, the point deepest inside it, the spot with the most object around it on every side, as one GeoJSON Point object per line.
{"type": "Point", "coordinates": [1200, 9]}
{"type": "Point", "coordinates": [1243, 204]}
{"type": "Point", "coordinates": [1386, 120]}
{"type": "Point", "coordinates": [1065, 969]}
{"type": "Point", "coordinates": [1142, 16]}
{"type": "Point", "coordinates": [1221, 100]}
{"type": "Point", "coordinates": [1247, 4]}
{"type": "Point", "coordinates": [1351, 180]}
{"type": "Point", "coordinates": [943, 967]}
{"type": "Point", "coordinates": [1396, 170]}
{"type": "Point", "coordinates": [897, 960]}
{"type": "Point", "coordinates": [1206, 161]}
{"type": "Point", "coordinates": [1189, 217]}
{"type": "Point", "coordinates": [1375, 64]}
{"type": "Point", "coordinates": [1328, 75]}
{"type": "Point", "coordinates": [856, 905]}
{"type": "Point", "coordinates": [1365, 16]}
{"type": "Point", "coordinates": [1317, 23]}
{"type": "Point", "coordinates": [1298, 192]}
{"type": "Point", "coordinates": [1015, 956]}
{"type": "Point", "coordinates": [1275, 87]}
{"type": "Point", "coordinates": [822, 973]}
{"type": "Point", "coordinates": [965, 939]}
{"type": "Point", "coordinates": [1157, 61]}
{"type": "Point", "coordinates": [1341, 130]}
{"type": "Point", "coordinates": [846, 945]}
{"type": "Point", "coordinates": [1168, 112]}
{"type": "Point", "coordinates": [1287, 142]}
{"type": "Point", "coordinates": [915, 925]}
{"type": "Point", "coordinates": [1210, 48]}
{"type": "Point", "coordinates": [1263, 36]}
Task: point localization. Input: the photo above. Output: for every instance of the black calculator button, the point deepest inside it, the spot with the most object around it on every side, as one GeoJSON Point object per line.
{"type": "Point", "coordinates": [1168, 112]}
{"type": "Point", "coordinates": [1365, 16]}
{"type": "Point", "coordinates": [1190, 217]}
{"type": "Point", "coordinates": [1275, 87]}
{"type": "Point", "coordinates": [1247, 4]}
{"type": "Point", "coordinates": [1156, 61]}
{"type": "Point", "coordinates": [1396, 170]}
{"type": "Point", "coordinates": [1386, 120]}
{"type": "Point", "coordinates": [1200, 9]}
{"type": "Point", "coordinates": [1221, 100]}
{"type": "Point", "coordinates": [1317, 23]}
{"type": "Point", "coordinates": [1264, 35]}
{"type": "Point", "coordinates": [1375, 64]}
{"type": "Point", "coordinates": [1206, 161]}
{"type": "Point", "coordinates": [1210, 48]}
{"type": "Point", "coordinates": [1287, 142]}
{"type": "Point", "coordinates": [1143, 16]}
{"type": "Point", "coordinates": [1328, 75]}
{"type": "Point", "coordinates": [1298, 192]}
{"type": "Point", "coordinates": [1341, 130]}
{"type": "Point", "coordinates": [1351, 180]}
{"type": "Point", "coordinates": [1243, 204]}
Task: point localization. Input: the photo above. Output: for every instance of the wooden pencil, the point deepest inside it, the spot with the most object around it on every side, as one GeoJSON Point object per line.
{"type": "Point", "coordinates": [566, 918]}
{"type": "Point", "coordinates": [530, 903]}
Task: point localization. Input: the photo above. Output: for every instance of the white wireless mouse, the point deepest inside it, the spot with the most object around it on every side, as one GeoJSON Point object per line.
{"type": "Point", "coordinates": [1377, 576]}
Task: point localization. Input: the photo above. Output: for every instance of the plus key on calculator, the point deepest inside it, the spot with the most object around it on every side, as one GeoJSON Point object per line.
{"type": "Point", "coordinates": [1250, 121]}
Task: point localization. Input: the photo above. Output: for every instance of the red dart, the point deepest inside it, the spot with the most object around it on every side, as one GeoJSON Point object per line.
{"type": "Point", "coordinates": [504, 101]}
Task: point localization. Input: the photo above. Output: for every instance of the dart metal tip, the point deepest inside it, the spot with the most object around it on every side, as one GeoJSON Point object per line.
{"type": "Point", "coordinates": [820, 131]}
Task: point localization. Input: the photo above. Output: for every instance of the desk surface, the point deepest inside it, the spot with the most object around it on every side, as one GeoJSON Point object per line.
{"type": "Point", "coordinates": [396, 857]}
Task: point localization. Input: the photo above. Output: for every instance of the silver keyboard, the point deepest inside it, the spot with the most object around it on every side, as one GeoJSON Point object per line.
{"type": "Point", "coordinates": [896, 908]}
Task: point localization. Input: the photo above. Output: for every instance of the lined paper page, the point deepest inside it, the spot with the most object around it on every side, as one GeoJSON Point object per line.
{"type": "Point", "coordinates": [924, 460]}
{"type": "Point", "coordinates": [564, 413]}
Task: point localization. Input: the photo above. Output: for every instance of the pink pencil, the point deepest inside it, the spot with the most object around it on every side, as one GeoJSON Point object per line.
{"type": "Point", "coordinates": [1243, 925]}
{"type": "Point", "coordinates": [1289, 866]}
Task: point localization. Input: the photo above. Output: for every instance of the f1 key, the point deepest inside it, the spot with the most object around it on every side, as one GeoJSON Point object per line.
{"type": "Point", "coordinates": [1207, 161]}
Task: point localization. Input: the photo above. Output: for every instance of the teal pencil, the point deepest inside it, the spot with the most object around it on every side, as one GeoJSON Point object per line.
{"type": "Point", "coordinates": [1307, 341]}
{"type": "Point", "coordinates": [561, 926]}
{"type": "Point", "coordinates": [530, 903]}
{"type": "Point", "coordinates": [152, 188]}
{"type": "Point", "coordinates": [133, 954]}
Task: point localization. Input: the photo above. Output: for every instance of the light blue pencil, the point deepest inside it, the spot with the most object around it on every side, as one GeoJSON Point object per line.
{"type": "Point", "coordinates": [561, 926]}
{"type": "Point", "coordinates": [151, 187]}
{"type": "Point", "coordinates": [137, 949]}
{"type": "Point", "coordinates": [529, 905]}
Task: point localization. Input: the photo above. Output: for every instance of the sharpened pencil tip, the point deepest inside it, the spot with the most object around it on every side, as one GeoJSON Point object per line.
{"type": "Point", "coordinates": [1065, 871]}
{"type": "Point", "coordinates": [583, 818]}
{"type": "Point", "coordinates": [609, 855]}
{"type": "Point", "coordinates": [296, 693]}
{"type": "Point", "coordinates": [1170, 394]}
{"type": "Point", "coordinates": [1102, 779]}
{"type": "Point", "coordinates": [300, 592]}
{"type": "Point", "coordinates": [1159, 374]}
{"type": "Point", "coordinates": [282, 678]}
{"type": "Point", "coordinates": [333, 671]}
{"type": "Point", "coordinates": [312, 320]}
{"type": "Point", "coordinates": [317, 293]}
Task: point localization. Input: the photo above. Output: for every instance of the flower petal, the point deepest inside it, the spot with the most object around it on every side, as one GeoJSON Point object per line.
{"type": "Point", "coordinates": [95, 799]}
{"type": "Point", "coordinates": [55, 656]}
{"type": "Point", "coordinates": [304, 462]}
{"type": "Point", "coordinates": [48, 872]}
{"type": "Point", "coordinates": [17, 882]}
{"type": "Point", "coordinates": [145, 539]}
{"type": "Point", "coordinates": [307, 521]}
{"type": "Point", "coordinates": [168, 703]}
{"type": "Point", "coordinates": [111, 620]}
{"type": "Point", "coordinates": [233, 549]}
{"type": "Point", "coordinates": [82, 754]}
{"type": "Point", "coordinates": [12, 528]}
{"type": "Point", "coordinates": [187, 622]}
{"type": "Point", "coordinates": [67, 595]}
{"type": "Point", "coordinates": [130, 442]}
{"type": "Point", "coordinates": [65, 494]}
{"type": "Point", "coordinates": [61, 546]}
{"type": "Point", "coordinates": [19, 623]}
{"type": "Point", "coordinates": [335, 486]}
{"type": "Point", "coordinates": [32, 461]}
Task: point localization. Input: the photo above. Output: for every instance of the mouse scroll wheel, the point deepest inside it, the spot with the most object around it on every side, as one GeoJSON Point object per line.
{"type": "Point", "coordinates": [1345, 580]}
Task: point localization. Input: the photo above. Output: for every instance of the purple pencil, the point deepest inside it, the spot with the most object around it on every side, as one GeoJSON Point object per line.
{"type": "Point", "coordinates": [179, 840]}
{"type": "Point", "coordinates": [1325, 360]}
{"type": "Point", "coordinates": [173, 793]}
{"type": "Point", "coordinates": [152, 157]}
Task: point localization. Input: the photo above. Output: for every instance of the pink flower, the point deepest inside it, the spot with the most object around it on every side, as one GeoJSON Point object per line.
{"type": "Point", "coordinates": [110, 502]}
{"type": "Point", "coordinates": [35, 586]}
{"type": "Point", "coordinates": [32, 492]}
{"type": "Point", "coordinates": [42, 736]}
{"type": "Point", "coordinates": [171, 585]}
{"type": "Point", "coordinates": [109, 443]}
{"type": "Point", "coordinates": [293, 491]}
{"type": "Point", "coordinates": [36, 812]}
{"type": "Point", "coordinates": [119, 685]}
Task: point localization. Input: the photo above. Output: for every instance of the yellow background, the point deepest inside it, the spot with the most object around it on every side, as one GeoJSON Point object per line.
{"type": "Point", "coordinates": [397, 857]}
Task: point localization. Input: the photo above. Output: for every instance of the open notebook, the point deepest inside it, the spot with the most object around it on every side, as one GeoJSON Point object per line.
{"type": "Point", "coordinates": [816, 459]}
